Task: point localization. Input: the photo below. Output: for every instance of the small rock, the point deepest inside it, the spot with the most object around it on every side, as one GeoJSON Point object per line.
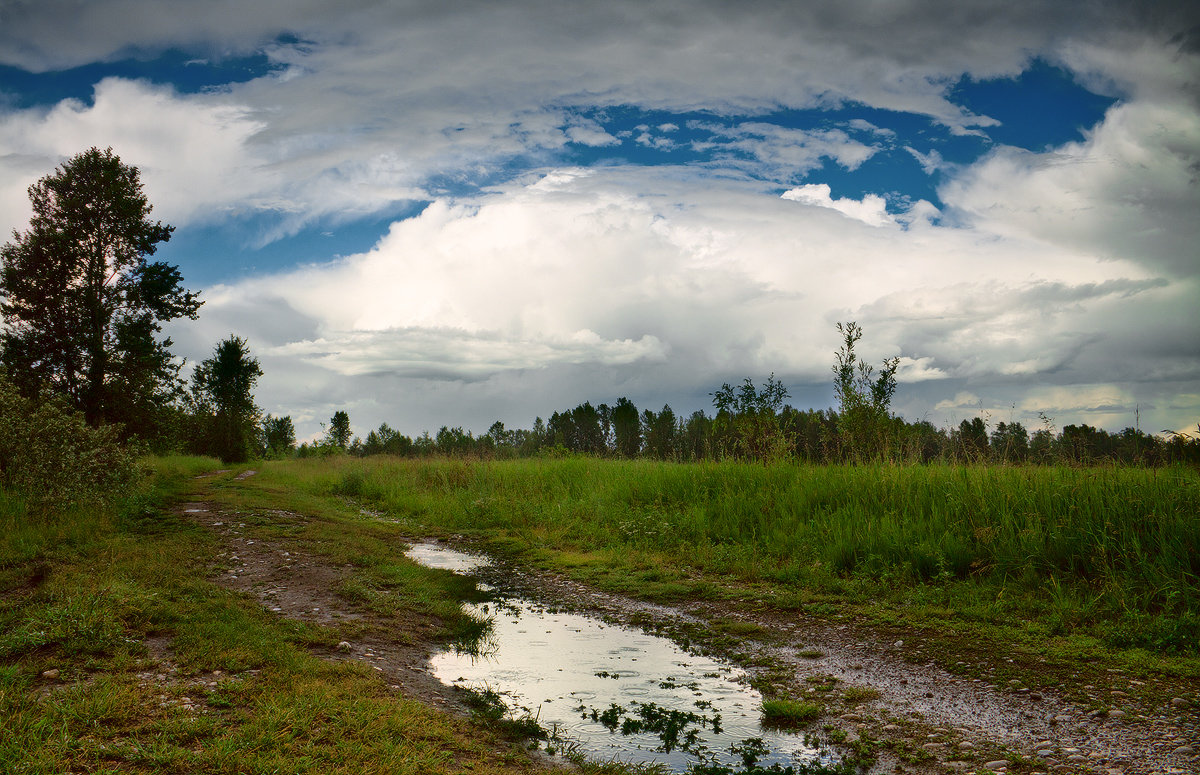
{"type": "Point", "coordinates": [1185, 750]}
{"type": "Point", "coordinates": [50, 674]}
{"type": "Point", "coordinates": [898, 643]}
{"type": "Point", "coordinates": [343, 646]}
{"type": "Point", "coordinates": [1116, 714]}
{"type": "Point", "coordinates": [999, 764]}
{"type": "Point", "coordinates": [1077, 758]}
{"type": "Point", "coordinates": [1179, 702]}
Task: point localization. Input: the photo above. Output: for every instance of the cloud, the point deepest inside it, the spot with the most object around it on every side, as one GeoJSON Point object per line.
{"type": "Point", "coordinates": [862, 125]}
{"type": "Point", "coordinates": [774, 152]}
{"type": "Point", "coordinates": [652, 283]}
{"type": "Point", "coordinates": [1131, 189]}
{"type": "Point", "coordinates": [525, 282]}
{"type": "Point", "coordinates": [588, 132]}
{"type": "Point", "coordinates": [377, 104]}
{"type": "Point", "coordinates": [871, 209]}
{"type": "Point", "coordinates": [192, 151]}
{"type": "Point", "coordinates": [452, 354]}
{"type": "Point", "coordinates": [667, 55]}
{"type": "Point", "coordinates": [930, 162]}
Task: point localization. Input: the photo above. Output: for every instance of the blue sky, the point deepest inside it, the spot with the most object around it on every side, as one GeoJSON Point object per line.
{"type": "Point", "coordinates": [436, 217]}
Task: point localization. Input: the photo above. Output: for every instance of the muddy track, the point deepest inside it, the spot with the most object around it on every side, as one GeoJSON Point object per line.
{"type": "Point", "coordinates": [962, 723]}
{"type": "Point", "coordinates": [937, 721]}
{"type": "Point", "coordinates": [302, 587]}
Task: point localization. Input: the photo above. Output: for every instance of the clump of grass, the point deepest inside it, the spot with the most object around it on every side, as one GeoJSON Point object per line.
{"type": "Point", "coordinates": [789, 713]}
{"type": "Point", "coordinates": [811, 653]}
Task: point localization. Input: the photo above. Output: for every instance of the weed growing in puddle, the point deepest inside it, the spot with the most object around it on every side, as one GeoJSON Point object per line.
{"type": "Point", "coordinates": [677, 729]}
{"type": "Point", "coordinates": [488, 706]}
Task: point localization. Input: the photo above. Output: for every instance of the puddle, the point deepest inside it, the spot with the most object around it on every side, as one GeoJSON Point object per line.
{"type": "Point", "coordinates": [611, 692]}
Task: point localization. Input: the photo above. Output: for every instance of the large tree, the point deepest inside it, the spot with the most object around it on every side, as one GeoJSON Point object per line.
{"type": "Point", "coordinates": [223, 394]}
{"type": "Point", "coordinates": [82, 305]}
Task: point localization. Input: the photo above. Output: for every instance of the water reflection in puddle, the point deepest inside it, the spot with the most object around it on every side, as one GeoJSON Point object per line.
{"type": "Point", "coordinates": [615, 692]}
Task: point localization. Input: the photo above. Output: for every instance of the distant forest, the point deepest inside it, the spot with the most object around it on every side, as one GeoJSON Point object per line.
{"type": "Point", "coordinates": [811, 436]}
{"type": "Point", "coordinates": [754, 423]}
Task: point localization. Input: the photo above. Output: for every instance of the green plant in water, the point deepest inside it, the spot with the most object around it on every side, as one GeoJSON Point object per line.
{"type": "Point", "coordinates": [789, 713]}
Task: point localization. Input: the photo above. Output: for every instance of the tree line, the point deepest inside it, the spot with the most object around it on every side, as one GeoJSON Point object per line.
{"type": "Point", "coordinates": [754, 422]}
{"type": "Point", "coordinates": [817, 436]}
{"type": "Point", "coordinates": [84, 304]}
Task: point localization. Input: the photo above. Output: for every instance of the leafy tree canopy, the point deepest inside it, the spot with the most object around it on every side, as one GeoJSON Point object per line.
{"type": "Point", "coordinates": [223, 395]}
{"type": "Point", "coordinates": [338, 434]}
{"type": "Point", "coordinates": [82, 305]}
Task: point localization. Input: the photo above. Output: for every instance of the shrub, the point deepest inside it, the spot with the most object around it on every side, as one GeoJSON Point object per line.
{"type": "Point", "coordinates": [50, 455]}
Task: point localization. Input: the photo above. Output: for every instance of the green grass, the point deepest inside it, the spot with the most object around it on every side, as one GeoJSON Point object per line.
{"type": "Point", "coordinates": [1106, 553]}
{"type": "Point", "coordinates": [1058, 568]}
{"type": "Point", "coordinates": [81, 593]}
{"type": "Point", "coordinates": [789, 713]}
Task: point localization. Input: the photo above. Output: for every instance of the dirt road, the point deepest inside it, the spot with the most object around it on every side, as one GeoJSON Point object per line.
{"type": "Point", "coordinates": [891, 696]}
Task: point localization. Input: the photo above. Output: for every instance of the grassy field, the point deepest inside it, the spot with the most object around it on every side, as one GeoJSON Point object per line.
{"type": "Point", "coordinates": [1040, 565]}
{"type": "Point", "coordinates": [83, 593]}
{"type": "Point", "coordinates": [1108, 556]}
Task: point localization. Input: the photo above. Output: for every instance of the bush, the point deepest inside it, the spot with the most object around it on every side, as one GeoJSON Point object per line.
{"type": "Point", "coordinates": [50, 455]}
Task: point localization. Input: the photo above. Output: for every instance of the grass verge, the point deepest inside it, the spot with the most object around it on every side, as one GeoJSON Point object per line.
{"type": "Point", "coordinates": [230, 687]}
{"type": "Point", "coordinates": [1060, 570]}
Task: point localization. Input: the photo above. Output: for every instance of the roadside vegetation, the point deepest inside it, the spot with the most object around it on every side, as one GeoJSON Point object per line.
{"type": "Point", "coordinates": [230, 687]}
{"type": "Point", "coordinates": [1107, 553]}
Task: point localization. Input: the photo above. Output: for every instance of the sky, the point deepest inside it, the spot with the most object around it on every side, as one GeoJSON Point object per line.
{"type": "Point", "coordinates": [432, 213]}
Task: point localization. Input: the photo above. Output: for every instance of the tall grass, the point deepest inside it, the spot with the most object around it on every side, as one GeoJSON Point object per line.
{"type": "Point", "coordinates": [1115, 541]}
